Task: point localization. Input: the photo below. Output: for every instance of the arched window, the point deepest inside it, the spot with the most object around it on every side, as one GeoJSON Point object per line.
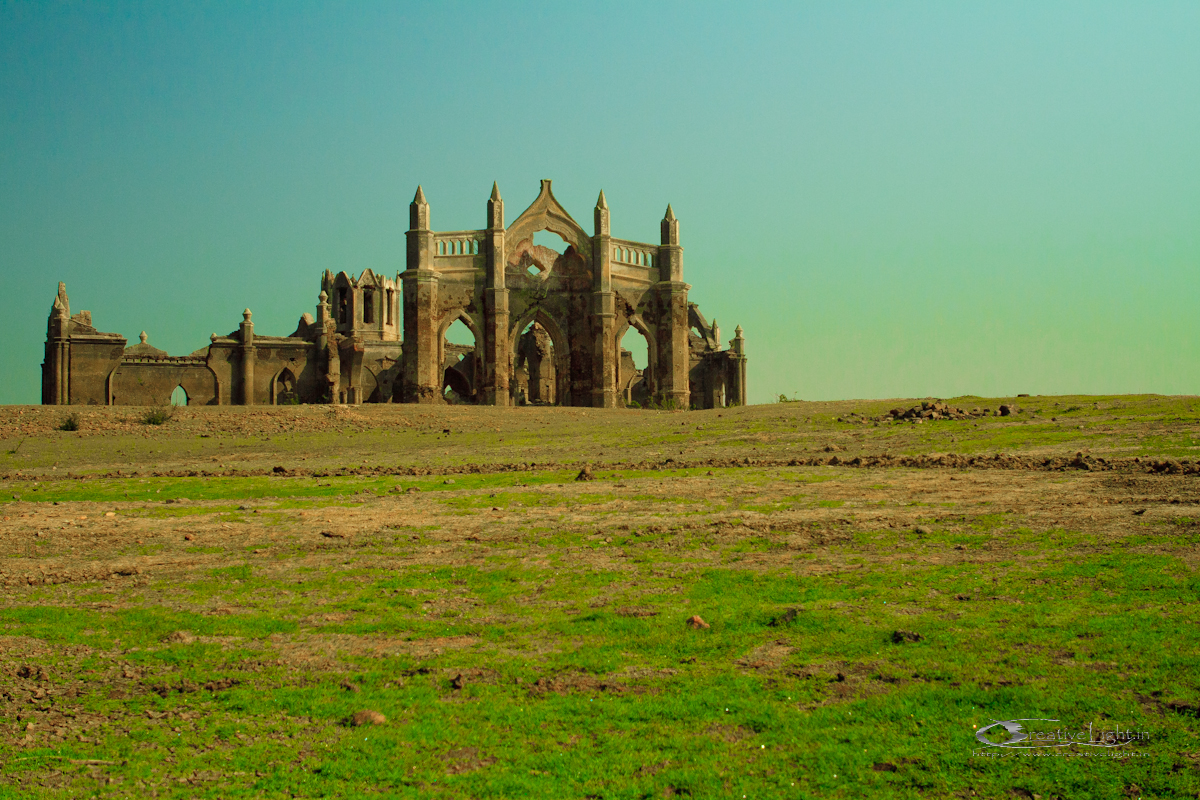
{"type": "Point", "coordinates": [368, 314]}
{"type": "Point", "coordinates": [179, 396]}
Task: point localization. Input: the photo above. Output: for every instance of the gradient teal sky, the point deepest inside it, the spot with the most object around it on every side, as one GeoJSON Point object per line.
{"type": "Point", "coordinates": [893, 199]}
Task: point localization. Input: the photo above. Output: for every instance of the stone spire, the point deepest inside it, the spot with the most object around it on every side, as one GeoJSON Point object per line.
{"type": "Point", "coordinates": [601, 216]}
{"type": "Point", "coordinates": [418, 212]}
{"type": "Point", "coordinates": [670, 227]}
{"type": "Point", "coordinates": [495, 209]}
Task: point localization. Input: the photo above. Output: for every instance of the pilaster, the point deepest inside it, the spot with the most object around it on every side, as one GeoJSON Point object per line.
{"type": "Point", "coordinates": [495, 389]}
{"type": "Point", "coordinates": [672, 331]}
{"type": "Point", "coordinates": [422, 383]}
{"type": "Point", "coordinates": [605, 361]}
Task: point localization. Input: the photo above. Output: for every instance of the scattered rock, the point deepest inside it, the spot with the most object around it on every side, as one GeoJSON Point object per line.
{"type": "Point", "coordinates": [367, 717]}
{"type": "Point", "coordinates": [585, 474]}
{"type": "Point", "coordinates": [332, 535]}
{"type": "Point", "coordinates": [696, 622]}
{"type": "Point", "coordinates": [180, 637]}
{"type": "Point", "coordinates": [458, 681]}
{"type": "Point", "coordinates": [785, 617]}
{"type": "Point", "coordinates": [900, 637]}
{"type": "Point", "coordinates": [1007, 410]}
{"type": "Point", "coordinates": [928, 411]}
{"type": "Point", "coordinates": [884, 767]}
{"type": "Point", "coordinates": [633, 611]}
{"type": "Point", "coordinates": [33, 673]}
{"type": "Point", "coordinates": [413, 490]}
{"type": "Point", "coordinates": [448, 481]}
{"type": "Point", "coordinates": [350, 687]}
{"type": "Point", "coordinates": [922, 530]}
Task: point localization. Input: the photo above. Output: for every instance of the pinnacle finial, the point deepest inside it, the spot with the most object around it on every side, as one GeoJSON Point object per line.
{"type": "Point", "coordinates": [246, 315]}
{"type": "Point", "coordinates": [420, 196]}
{"type": "Point", "coordinates": [601, 202]}
{"type": "Point", "coordinates": [495, 191]}
{"type": "Point", "coordinates": [670, 212]}
{"type": "Point", "coordinates": [143, 337]}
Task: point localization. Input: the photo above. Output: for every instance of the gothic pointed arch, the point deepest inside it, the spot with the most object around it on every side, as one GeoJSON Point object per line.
{"type": "Point", "coordinates": [547, 214]}
{"type": "Point", "coordinates": [560, 343]}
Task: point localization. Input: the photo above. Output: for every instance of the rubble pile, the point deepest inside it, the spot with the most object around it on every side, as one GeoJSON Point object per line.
{"type": "Point", "coordinates": [928, 411]}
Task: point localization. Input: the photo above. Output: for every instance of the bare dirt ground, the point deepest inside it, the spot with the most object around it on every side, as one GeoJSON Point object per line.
{"type": "Point", "coordinates": [266, 542]}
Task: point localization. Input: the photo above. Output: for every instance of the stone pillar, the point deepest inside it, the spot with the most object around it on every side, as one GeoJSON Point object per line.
{"type": "Point", "coordinates": [327, 358]}
{"type": "Point", "coordinates": [422, 374]}
{"type": "Point", "coordinates": [496, 348]}
{"type": "Point", "coordinates": [737, 389]}
{"type": "Point", "coordinates": [672, 306]}
{"type": "Point", "coordinates": [247, 352]}
{"type": "Point", "coordinates": [605, 353]}
{"type": "Point", "coordinates": [56, 369]}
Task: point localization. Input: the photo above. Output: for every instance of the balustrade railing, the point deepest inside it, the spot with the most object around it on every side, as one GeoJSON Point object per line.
{"type": "Point", "coordinates": [641, 255]}
{"type": "Point", "coordinates": [456, 244]}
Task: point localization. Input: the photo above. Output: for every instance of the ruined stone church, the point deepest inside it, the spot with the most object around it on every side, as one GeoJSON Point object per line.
{"type": "Point", "coordinates": [547, 328]}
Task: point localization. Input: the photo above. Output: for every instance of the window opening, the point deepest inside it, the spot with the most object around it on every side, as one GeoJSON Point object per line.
{"type": "Point", "coordinates": [368, 306]}
{"type": "Point", "coordinates": [633, 376]}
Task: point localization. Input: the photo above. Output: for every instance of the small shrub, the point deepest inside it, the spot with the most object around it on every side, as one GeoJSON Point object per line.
{"type": "Point", "coordinates": [71, 423]}
{"type": "Point", "coordinates": [158, 415]}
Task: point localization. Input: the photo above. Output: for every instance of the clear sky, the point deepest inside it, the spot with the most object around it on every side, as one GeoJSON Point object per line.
{"type": "Point", "coordinates": [893, 199]}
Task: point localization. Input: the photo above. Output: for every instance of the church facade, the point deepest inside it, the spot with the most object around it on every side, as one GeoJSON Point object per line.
{"type": "Point", "coordinates": [547, 328]}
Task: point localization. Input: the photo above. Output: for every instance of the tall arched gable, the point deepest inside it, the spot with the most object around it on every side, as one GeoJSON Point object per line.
{"type": "Point", "coordinates": [546, 214]}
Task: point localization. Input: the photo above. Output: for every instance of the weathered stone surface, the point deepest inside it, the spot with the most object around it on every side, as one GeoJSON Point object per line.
{"type": "Point", "coordinates": [547, 326]}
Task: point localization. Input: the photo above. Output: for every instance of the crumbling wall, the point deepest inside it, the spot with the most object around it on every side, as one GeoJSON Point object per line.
{"type": "Point", "coordinates": [581, 302]}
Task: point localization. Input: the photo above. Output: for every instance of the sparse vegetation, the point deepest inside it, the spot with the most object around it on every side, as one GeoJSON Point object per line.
{"type": "Point", "coordinates": [523, 634]}
{"type": "Point", "coordinates": [158, 415]}
{"type": "Point", "coordinates": [69, 423]}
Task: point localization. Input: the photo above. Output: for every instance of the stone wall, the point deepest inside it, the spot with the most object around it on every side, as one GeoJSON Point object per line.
{"type": "Point", "coordinates": [547, 327]}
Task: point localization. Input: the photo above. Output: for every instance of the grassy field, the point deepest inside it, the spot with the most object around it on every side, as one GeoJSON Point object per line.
{"type": "Point", "coordinates": [525, 634]}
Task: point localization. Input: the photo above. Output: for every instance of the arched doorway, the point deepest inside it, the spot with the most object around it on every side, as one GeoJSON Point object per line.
{"type": "Point", "coordinates": [541, 362]}
{"type": "Point", "coordinates": [534, 367]}
{"type": "Point", "coordinates": [285, 388]}
{"type": "Point", "coordinates": [460, 361]}
{"type": "Point", "coordinates": [179, 396]}
{"type": "Point", "coordinates": [635, 365]}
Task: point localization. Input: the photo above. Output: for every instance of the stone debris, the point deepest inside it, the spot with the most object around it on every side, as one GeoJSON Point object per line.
{"type": "Point", "coordinates": [900, 637]}
{"type": "Point", "coordinates": [585, 474]}
{"type": "Point", "coordinates": [696, 622]}
{"type": "Point", "coordinates": [936, 410]}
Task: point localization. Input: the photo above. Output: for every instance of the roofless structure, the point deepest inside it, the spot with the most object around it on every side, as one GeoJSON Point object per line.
{"type": "Point", "coordinates": [548, 328]}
